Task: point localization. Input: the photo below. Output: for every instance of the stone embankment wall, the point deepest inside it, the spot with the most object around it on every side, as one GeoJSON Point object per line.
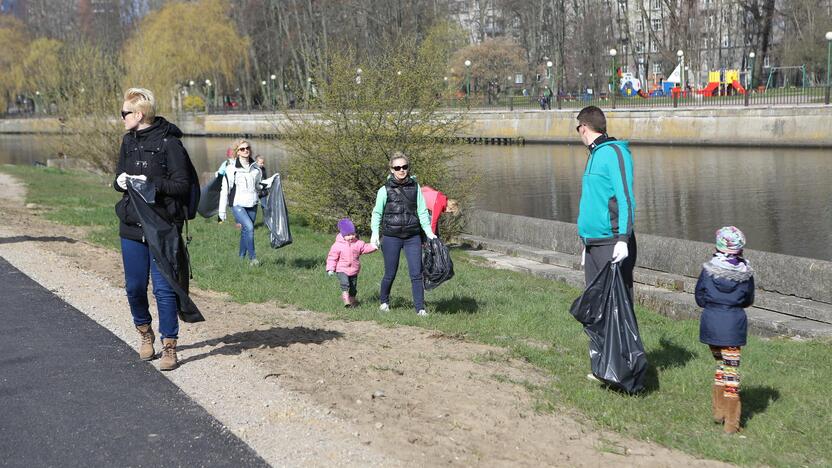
{"type": "Point", "coordinates": [797, 126]}
{"type": "Point", "coordinates": [784, 274]}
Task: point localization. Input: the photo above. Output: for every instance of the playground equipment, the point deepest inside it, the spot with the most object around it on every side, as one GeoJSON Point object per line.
{"type": "Point", "coordinates": [722, 82]}
{"type": "Point", "coordinates": [629, 85]}
{"type": "Point", "coordinates": [786, 76]}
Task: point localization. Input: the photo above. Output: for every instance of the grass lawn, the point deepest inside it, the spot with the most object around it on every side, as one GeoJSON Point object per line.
{"type": "Point", "coordinates": [787, 408]}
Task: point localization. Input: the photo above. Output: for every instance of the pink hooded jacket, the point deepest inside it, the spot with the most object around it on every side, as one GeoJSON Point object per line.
{"type": "Point", "coordinates": [344, 256]}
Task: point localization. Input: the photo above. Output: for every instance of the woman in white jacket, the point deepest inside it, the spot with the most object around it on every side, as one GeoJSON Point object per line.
{"type": "Point", "coordinates": [239, 188]}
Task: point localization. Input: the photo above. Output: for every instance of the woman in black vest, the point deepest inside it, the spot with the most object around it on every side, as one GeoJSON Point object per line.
{"type": "Point", "coordinates": [401, 215]}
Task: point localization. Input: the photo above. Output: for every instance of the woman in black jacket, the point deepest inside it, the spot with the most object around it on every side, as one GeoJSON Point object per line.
{"type": "Point", "coordinates": [401, 215]}
{"type": "Point", "coordinates": [150, 151]}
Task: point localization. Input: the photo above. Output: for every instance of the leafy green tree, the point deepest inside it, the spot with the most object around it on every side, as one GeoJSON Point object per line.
{"type": "Point", "coordinates": [185, 41]}
{"type": "Point", "coordinates": [39, 70]}
{"type": "Point", "coordinates": [492, 59]}
{"type": "Point", "coordinates": [340, 153]}
{"type": "Point", "coordinates": [14, 40]}
{"type": "Point", "coordinates": [88, 102]}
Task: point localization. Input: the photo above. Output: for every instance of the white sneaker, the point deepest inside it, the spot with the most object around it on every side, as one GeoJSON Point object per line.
{"type": "Point", "coordinates": [384, 307]}
{"type": "Point", "coordinates": [422, 313]}
{"type": "Point", "coordinates": [592, 377]}
{"type": "Point", "coordinates": [254, 263]}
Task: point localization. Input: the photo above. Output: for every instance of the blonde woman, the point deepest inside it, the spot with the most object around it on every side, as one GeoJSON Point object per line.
{"type": "Point", "coordinates": [239, 189]}
{"type": "Point", "coordinates": [401, 216]}
{"type": "Point", "coordinates": [150, 151]}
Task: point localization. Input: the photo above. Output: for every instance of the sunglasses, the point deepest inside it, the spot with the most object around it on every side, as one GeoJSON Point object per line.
{"type": "Point", "coordinates": [244, 148]}
{"type": "Point", "coordinates": [399, 168]}
{"type": "Point", "coordinates": [124, 114]}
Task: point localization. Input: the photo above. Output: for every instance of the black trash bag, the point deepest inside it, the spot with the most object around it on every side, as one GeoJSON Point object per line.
{"type": "Point", "coordinates": [209, 198]}
{"type": "Point", "coordinates": [437, 266]}
{"type": "Point", "coordinates": [167, 246]}
{"type": "Point", "coordinates": [276, 216]}
{"type": "Point", "coordinates": [616, 351]}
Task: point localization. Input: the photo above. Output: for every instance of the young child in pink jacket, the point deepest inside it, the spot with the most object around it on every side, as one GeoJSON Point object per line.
{"type": "Point", "coordinates": [344, 260]}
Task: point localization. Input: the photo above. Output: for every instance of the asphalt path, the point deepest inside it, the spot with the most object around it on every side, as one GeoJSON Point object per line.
{"type": "Point", "coordinates": [73, 394]}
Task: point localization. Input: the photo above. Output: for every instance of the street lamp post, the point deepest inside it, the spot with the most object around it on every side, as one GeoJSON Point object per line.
{"type": "Point", "coordinates": [308, 91]}
{"type": "Point", "coordinates": [828, 64]}
{"type": "Point", "coordinates": [750, 85]}
{"type": "Point", "coordinates": [681, 54]}
{"type": "Point", "coordinates": [271, 90]}
{"type": "Point", "coordinates": [509, 93]}
{"type": "Point", "coordinates": [207, 95]}
{"type": "Point", "coordinates": [613, 85]}
{"type": "Point", "coordinates": [264, 90]}
{"type": "Point", "coordinates": [467, 81]}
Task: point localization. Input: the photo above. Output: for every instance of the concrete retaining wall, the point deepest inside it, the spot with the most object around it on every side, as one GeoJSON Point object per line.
{"type": "Point", "coordinates": [796, 276]}
{"type": "Point", "coordinates": [757, 126]}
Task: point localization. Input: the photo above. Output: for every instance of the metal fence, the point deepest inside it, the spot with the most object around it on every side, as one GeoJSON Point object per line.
{"type": "Point", "coordinates": [677, 99]}
{"type": "Point", "coordinates": [796, 96]}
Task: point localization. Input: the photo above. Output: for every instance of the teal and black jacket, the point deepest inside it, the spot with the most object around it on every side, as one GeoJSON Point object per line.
{"type": "Point", "coordinates": [607, 209]}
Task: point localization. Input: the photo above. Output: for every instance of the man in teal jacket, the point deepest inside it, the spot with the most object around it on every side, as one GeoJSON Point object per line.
{"type": "Point", "coordinates": [607, 210]}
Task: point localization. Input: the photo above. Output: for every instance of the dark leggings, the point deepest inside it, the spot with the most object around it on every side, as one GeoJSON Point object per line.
{"type": "Point", "coordinates": [391, 248]}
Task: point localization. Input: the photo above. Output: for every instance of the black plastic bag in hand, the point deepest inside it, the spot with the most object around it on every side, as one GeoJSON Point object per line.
{"type": "Point", "coordinates": [276, 216]}
{"type": "Point", "coordinates": [616, 351]}
{"type": "Point", "coordinates": [437, 266]}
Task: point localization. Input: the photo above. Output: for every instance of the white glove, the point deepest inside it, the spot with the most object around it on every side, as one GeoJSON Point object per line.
{"type": "Point", "coordinates": [138, 177]}
{"type": "Point", "coordinates": [583, 256]}
{"type": "Point", "coordinates": [430, 235]}
{"type": "Point", "coordinates": [619, 252]}
{"type": "Point", "coordinates": [374, 240]}
{"type": "Point", "coordinates": [121, 180]}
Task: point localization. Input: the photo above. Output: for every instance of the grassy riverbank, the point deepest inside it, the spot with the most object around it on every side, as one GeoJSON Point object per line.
{"type": "Point", "coordinates": [787, 406]}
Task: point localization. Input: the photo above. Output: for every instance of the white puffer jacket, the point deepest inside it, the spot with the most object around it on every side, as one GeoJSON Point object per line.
{"type": "Point", "coordinates": [245, 181]}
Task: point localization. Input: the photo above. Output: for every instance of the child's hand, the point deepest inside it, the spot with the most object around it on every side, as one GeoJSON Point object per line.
{"type": "Point", "coordinates": [330, 273]}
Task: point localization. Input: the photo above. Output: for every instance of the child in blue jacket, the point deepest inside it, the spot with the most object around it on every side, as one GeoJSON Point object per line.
{"type": "Point", "coordinates": [724, 289]}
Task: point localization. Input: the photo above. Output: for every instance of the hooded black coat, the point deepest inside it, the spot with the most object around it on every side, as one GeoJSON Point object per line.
{"type": "Point", "coordinates": [157, 153]}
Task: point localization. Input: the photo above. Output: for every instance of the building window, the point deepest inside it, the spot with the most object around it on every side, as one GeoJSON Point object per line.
{"type": "Point", "coordinates": [656, 23]}
{"type": "Point", "coordinates": [766, 62]}
{"type": "Point", "coordinates": [639, 47]}
{"type": "Point", "coordinates": [657, 68]}
{"type": "Point", "coordinates": [653, 47]}
{"type": "Point", "coordinates": [639, 26]}
{"type": "Point", "coordinates": [726, 41]}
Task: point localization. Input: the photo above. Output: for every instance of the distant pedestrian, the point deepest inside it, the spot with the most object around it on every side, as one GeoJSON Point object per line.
{"type": "Point", "coordinates": [150, 151]}
{"type": "Point", "coordinates": [344, 260]}
{"type": "Point", "coordinates": [724, 289]}
{"type": "Point", "coordinates": [401, 216]}
{"type": "Point", "coordinates": [240, 190]}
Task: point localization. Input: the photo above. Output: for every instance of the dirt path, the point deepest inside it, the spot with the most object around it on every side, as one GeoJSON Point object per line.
{"type": "Point", "coordinates": [304, 389]}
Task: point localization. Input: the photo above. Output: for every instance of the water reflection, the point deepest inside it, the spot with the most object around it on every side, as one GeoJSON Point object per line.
{"type": "Point", "coordinates": [779, 197]}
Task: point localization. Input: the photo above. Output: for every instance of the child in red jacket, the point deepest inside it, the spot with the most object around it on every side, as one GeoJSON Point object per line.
{"type": "Point", "coordinates": [344, 260]}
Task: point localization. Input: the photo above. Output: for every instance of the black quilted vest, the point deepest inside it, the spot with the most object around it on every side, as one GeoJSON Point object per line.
{"type": "Point", "coordinates": [400, 218]}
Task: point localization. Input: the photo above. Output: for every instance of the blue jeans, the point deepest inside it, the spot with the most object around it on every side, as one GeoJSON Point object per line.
{"type": "Point", "coordinates": [391, 248]}
{"type": "Point", "coordinates": [246, 216]}
{"type": "Point", "coordinates": [139, 266]}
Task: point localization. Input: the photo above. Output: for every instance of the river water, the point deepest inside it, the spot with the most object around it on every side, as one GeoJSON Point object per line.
{"type": "Point", "coordinates": [779, 197]}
